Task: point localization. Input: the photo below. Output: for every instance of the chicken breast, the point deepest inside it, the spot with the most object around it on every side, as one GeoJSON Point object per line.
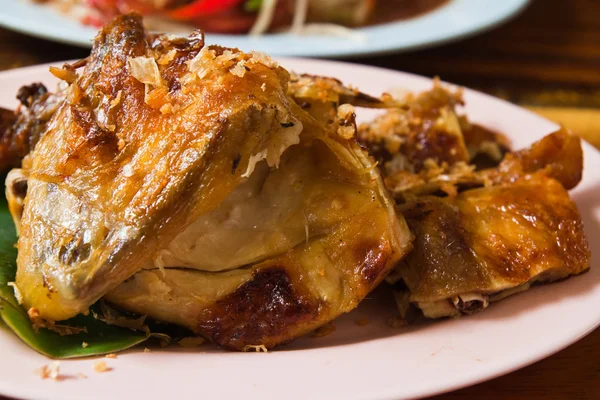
{"type": "Point", "coordinates": [181, 181]}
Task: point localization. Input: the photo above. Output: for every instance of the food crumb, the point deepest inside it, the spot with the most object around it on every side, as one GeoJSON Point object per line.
{"type": "Point", "coordinates": [192, 341]}
{"type": "Point", "coordinates": [257, 348]}
{"type": "Point", "coordinates": [396, 322]}
{"type": "Point", "coordinates": [146, 350]}
{"type": "Point", "coordinates": [50, 371]}
{"type": "Point", "coordinates": [101, 366]}
{"type": "Point", "coordinates": [84, 344]}
{"type": "Point", "coordinates": [324, 330]}
{"type": "Point", "coordinates": [111, 355]}
{"type": "Point", "coordinates": [239, 69]}
{"type": "Point", "coordinates": [82, 375]}
{"type": "Point", "coordinates": [364, 321]}
{"type": "Point", "coordinates": [33, 313]}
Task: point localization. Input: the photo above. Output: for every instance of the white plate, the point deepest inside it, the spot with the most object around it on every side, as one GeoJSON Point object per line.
{"type": "Point", "coordinates": [458, 19]}
{"type": "Point", "coordinates": [371, 362]}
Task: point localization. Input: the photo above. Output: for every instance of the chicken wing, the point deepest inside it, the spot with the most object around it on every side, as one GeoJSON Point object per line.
{"type": "Point", "coordinates": [182, 181]}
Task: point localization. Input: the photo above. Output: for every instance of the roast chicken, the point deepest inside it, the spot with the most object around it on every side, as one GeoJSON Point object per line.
{"type": "Point", "coordinates": [485, 244]}
{"type": "Point", "coordinates": [210, 188]}
{"type": "Point", "coordinates": [481, 234]}
{"type": "Point", "coordinates": [183, 182]}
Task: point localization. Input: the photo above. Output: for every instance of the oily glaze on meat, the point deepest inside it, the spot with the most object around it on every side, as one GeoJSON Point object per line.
{"type": "Point", "coordinates": [558, 155]}
{"type": "Point", "coordinates": [182, 182]}
{"type": "Point", "coordinates": [480, 245]}
{"type": "Point", "coordinates": [487, 241]}
{"type": "Point", "coordinates": [428, 130]}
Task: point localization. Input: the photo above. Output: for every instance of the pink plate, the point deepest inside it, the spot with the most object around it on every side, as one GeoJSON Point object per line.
{"type": "Point", "coordinates": [370, 362]}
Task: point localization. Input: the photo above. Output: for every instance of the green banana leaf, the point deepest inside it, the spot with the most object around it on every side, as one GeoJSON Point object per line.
{"type": "Point", "coordinates": [100, 337]}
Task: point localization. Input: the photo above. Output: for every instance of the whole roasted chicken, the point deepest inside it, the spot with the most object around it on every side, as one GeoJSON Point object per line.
{"type": "Point", "coordinates": [184, 182]}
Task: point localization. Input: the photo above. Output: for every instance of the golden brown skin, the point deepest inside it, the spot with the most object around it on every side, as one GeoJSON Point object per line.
{"type": "Point", "coordinates": [343, 254]}
{"type": "Point", "coordinates": [488, 240]}
{"type": "Point", "coordinates": [127, 170]}
{"type": "Point", "coordinates": [428, 129]}
{"type": "Point", "coordinates": [485, 220]}
{"type": "Point", "coordinates": [558, 155]}
{"type": "Point", "coordinates": [475, 246]}
{"type": "Point", "coordinates": [113, 176]}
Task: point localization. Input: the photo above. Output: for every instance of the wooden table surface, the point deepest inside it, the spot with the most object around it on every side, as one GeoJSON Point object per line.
{"type": "Point", "coordinates": [548, 59]}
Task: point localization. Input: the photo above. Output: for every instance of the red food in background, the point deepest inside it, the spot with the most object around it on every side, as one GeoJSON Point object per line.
{"type": "Point", "coordinates": [220, 16]}
{"type": "Point", "coordinates": [202, 8]}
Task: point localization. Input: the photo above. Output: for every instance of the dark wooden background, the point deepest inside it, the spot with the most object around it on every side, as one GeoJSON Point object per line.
{"type": "Point", "coordinates": [548, 60]}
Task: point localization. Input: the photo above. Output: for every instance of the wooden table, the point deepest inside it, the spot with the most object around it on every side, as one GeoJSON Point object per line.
{"type": "Point", "coordinates": [548, 60]}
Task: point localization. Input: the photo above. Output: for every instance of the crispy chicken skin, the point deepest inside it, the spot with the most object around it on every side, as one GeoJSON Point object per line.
{"type": "Point", "coordinates": [183, 182]}
{"type": "Point", "coordinates": [490, 240]}
{"type": "Point", "coordinates": [487, 222]}
{"type": "Point", "coordinates": [480, 245]}
{"type": "Point", "coordinates": [426, 128]}
{"type": "Point", "coordinates": [558, 155]}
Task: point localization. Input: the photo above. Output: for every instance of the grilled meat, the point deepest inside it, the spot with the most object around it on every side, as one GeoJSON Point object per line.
{"type": "Point", "coordinates": [484, 244]}
{"type": "Point", "coordinates": [516, 228]}
{"type": "Point", "coordinates": [181, 181]}
{"type": "Point", "coordinates": [427, 130]}
{"type": "Point", "coordinates": [558, 155]}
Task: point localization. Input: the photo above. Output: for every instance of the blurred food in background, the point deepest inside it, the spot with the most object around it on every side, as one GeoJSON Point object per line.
{"type": "Point", "coordinates": [251, 16]}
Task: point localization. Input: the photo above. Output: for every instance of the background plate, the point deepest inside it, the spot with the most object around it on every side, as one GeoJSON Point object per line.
{"type": "Point", "coordinates": [460, 18]}
{"type": "Point", "coordinates": [371, 362]}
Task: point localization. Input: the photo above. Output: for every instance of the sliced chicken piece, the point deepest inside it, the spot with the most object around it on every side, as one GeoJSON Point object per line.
{"type": "Point", "coordinates": [558, 155]}
{"type": "Point", "coordinates": [475, 246]}
{"type": "Point", "coordinates": [485, 244]}
{"type": "Point", "coordinates": [181, 181]}
{"type": "Point", "coordinates": [426, 130]}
